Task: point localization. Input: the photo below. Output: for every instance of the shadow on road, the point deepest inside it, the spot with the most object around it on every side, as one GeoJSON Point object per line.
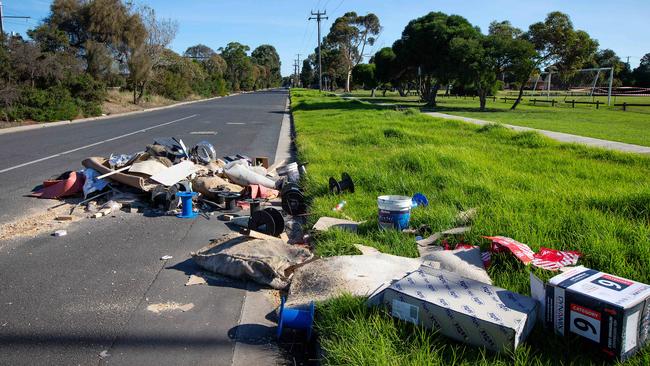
{"type": "Point", "coordinates": [61, 340]}
{"type": "Point", "coordinates": [189, 267]}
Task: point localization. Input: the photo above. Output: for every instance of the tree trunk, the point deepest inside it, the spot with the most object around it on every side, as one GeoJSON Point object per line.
{"type": "Point", "coordinates": [135, 92]}
{"type": "Point", "coordinates": [482, 97]}
{"type": "Point", "coordinates": [521, 92]}
{"type": "Point", "coordinates": [141, 93]}
{"type": "Point", "coordinates": [347, 81]}
{"type": "Point", "coordinates": [429, 91]}
{"type": "Point", "coordinates": [384, 92]}
{"type": "Point", "coordinates": [434, 94]}
{"type": "Point", "coordinates": [372, 94]}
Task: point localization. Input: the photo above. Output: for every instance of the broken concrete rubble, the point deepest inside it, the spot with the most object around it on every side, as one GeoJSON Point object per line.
{"type": "Point", "coordinates": [325, 223]}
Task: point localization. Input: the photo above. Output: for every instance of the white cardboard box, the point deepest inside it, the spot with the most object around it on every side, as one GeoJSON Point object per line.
{"type": "Point", "coordinates": [610, 311]}
{"type": "Point", "coordinates": [465, 310]}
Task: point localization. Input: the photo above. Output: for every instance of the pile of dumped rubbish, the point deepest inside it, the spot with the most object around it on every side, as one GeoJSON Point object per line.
{"type": "Point", "coordinates": [171, 178]}
{"type": "Point", "coordinates": [447, 288]}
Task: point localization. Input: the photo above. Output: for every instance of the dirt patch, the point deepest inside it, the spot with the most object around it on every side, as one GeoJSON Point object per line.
{"type": "Point", "coordinates": [121, 102]}
{"type": "Point", "coordinates": [169, 306]}
{"type": "Point", "coordinates": [5, 124]}
{"type": "Point", "coordinates": [33, 225]}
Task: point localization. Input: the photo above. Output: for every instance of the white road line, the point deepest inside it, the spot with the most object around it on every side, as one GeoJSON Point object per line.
{"type": "Point", "coordinates": [95, 144]}
{"type": "Point", "coordinates": [235, 123]}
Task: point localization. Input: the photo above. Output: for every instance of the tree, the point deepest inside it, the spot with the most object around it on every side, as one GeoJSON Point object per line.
{"type": "Point", "coordinates": [137, 59]}
{"type": "Point", "coordinates": [215, 65]}
{"type": "Point", "coordinates": [557, 44]}
{"type": "Point", "coordinates": [480, 58]}
{"type": "Point", "coordinates": [104, 33]}
{"type": "Point", "coordinates": [240, 67]}
{"type": "Point", "coordinates": [388, 71]}
{"type": "Point", "coordinates": [306, 73]}
{"type": "Point", "coordinates": [608, 58]}
{"type": "Point", "coordinates": [365, 74]}
{"type": "Point", "coordinates": [159, 34]}
{"type": "Point", "coordinates": [267, 57]}
{"type": "Point", "coordinates": [350, 34]}
{"type": "Point", "coordinates": [641, 74]}
{"type": "Point", "coordinates": [484, 57]}
{"type": "Point", "coordinates": [424, 49]}
{"type": "Point", "coordinates": [199, 51]}
{"type": "Point", "coordinates": [49, 38]}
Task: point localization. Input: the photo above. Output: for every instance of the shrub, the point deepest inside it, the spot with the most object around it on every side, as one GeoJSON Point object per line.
{"type": "Point", "coordinates": [52, 104]}
{"type": "Point", "coordinates": [170, 85]}
{"type": "Point", "coordinates": [86, 88]}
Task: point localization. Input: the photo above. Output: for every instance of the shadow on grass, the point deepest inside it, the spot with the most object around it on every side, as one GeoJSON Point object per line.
{"type": "Point", "coordinates": [446, 108]}
{"type": "Point", "coordinates": [349, 104]}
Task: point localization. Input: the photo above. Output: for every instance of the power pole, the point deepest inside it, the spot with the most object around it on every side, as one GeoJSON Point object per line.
{"type": "Point", "coordinates": [298, 70]}
{"type": "Point", "coordinates": [319, 17]}
{"type": "Point", "coordinates": [2, 17]}
{"type": "Point", "coordinates": [295, 73]}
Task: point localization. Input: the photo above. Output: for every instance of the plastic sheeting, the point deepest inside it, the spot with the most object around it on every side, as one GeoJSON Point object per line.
{"type": "Point", "coordinates": [92, 184]}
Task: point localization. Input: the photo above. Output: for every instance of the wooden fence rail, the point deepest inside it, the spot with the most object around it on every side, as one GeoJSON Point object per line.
{"type": "Point", "coordinates": [626, 104]}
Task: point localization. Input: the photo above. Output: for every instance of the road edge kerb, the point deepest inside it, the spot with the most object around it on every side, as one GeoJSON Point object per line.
{"type": "Point", "coordinates": [8, 130]}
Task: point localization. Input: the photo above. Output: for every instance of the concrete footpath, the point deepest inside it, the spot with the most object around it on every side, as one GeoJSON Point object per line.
{"type": "Point", "coordinates": [558, 136]}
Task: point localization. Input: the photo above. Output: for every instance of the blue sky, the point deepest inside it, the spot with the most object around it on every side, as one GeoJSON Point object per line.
{"type": "Point", "coordinates": [619, 25]}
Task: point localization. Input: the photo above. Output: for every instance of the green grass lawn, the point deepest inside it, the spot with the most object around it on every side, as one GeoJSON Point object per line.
{"type": "Point", "coordinates": [523, 185]}
{"type": "Point", "coordinates": [609, 123]}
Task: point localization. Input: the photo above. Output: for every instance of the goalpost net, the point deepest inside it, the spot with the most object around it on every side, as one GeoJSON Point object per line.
{"type": "Point", "coordinates": [580, 85]}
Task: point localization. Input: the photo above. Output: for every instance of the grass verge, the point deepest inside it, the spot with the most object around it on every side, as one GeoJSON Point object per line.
{"type": "Point", "coordinates": [523, 185]}
{"type": "Point", "coordinates": [632, 126]}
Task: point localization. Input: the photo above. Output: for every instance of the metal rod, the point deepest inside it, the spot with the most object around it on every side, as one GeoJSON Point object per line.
{"type": "Point", "coordinates": [609, 91]}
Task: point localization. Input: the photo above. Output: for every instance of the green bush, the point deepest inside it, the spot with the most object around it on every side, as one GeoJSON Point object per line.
{"type": "Point", "coordinates": [170, 85]}
{"type": "Point", "coordinates": [43, 105]}
{"type": "Point", "coordinates": [90, 109]}
{"type": "Point", "coordinates": [86, 88]}
{"type": "Point", "coordinates": [218, 86]}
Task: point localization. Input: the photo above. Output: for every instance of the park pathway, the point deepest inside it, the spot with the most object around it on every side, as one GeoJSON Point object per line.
{"type": "Point", "coordinates": [559, 136]}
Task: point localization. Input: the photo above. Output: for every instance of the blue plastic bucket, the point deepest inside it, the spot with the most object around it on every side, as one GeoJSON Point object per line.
{"type": "Point", "coordinates": [394, 212]}
{"type": "Point", "coordinates": [302, 319]}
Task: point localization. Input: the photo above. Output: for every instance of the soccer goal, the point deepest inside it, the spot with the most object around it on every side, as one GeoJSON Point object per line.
{"type": "Point", "coordinates": [581, 84]}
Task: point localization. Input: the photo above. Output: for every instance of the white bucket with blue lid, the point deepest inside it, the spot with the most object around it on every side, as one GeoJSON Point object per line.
{"type": "Point", "coordinates": [394, 212]}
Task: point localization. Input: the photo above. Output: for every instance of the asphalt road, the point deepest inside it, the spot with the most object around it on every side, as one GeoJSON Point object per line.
{"type": "Point", "coordinates": [69, 300]}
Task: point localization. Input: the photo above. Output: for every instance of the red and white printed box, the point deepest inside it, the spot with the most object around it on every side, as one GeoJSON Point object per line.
{"type": "Point", "coordinates": [611, 311]}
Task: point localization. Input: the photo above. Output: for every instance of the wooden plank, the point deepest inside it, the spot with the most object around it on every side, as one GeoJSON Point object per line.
{"type": "Point", "coordinates": [114, 172]}
{"type": "Point", "coordinates": [275, 165]}
{"type": "Point", "coordinates": [257, 235]}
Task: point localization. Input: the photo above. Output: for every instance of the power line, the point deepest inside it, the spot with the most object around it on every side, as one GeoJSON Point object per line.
{"type": "Point", "coordinates": [338, 6]}
{"type": "Point", "coordinates": [319, 17]}
{"type": "Point", "coordinates": [3, 17]}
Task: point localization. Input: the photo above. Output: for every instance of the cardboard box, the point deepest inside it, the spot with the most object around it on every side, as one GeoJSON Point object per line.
{"type": "Point", "coordinates": [610, 311]}
{"type": "Point", "coordinates": [465, 310]}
